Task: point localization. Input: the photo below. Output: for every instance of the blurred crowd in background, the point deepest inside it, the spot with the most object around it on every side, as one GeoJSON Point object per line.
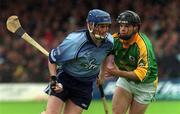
{"type": "Point", "coordinates": [49, 21]}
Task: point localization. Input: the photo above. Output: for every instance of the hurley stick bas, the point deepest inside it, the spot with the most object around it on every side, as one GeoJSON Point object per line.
{"type": "Point", "coordinates": [14, 26]}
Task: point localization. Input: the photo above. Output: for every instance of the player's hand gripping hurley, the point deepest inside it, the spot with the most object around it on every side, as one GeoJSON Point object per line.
{"type": "Point", "coordinates": [14, 26]}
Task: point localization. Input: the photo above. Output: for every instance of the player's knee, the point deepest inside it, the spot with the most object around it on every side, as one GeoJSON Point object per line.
{"type": "Point", "coordinates": [117, 110]}
{"type": "Point", "coordinates": [114, 110]}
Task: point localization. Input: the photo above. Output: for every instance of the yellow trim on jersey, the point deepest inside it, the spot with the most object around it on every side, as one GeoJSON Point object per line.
{"type": "Point", "coordinates": [115, 35]}
{"type": "Point", "coordinates": [156, 82]}
{"type": "Point", "coordinates": [142, 67]}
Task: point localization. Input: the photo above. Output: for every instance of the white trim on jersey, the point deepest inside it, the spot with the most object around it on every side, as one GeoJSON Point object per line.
{"type": "Point", "coordinates": [52, 55]}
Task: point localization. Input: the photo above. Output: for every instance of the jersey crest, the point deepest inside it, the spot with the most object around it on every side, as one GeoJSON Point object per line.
{"type": "Point", "coordinates": [91, 65]}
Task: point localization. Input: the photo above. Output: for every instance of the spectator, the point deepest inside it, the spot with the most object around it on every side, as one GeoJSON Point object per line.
{"type": "Point", "coordinates": [160, 21]}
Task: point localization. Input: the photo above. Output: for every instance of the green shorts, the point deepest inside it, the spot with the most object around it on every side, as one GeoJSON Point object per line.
{"type": "Point", "coordinates": [142, 92]}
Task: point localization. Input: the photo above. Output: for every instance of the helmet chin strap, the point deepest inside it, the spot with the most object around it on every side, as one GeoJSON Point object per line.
{"type": "Point", "coordinates": [127, 37]}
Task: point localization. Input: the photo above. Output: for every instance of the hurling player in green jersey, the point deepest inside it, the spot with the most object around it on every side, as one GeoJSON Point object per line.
{"type": "Point", "coordinates": [134, 64]}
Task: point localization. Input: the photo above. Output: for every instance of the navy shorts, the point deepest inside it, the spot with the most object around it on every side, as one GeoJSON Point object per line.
{"type": "Point", "coordinates": [79, 92]}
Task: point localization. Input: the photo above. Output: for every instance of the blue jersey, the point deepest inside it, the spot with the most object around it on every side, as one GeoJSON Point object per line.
{"type": "Point", "coordinates": [79, 56]}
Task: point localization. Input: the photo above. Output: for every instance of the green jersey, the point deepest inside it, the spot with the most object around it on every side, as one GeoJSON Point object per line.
{"type": "Point", "coordinates": [136, 55]}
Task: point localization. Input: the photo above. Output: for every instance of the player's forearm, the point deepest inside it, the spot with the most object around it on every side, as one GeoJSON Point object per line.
{"type": "Point", "coordinates": [102, 72]}
{"type": "Point", "coordinates": [52, 68]}
{"type": "Point", "coordinates": [127, 74]}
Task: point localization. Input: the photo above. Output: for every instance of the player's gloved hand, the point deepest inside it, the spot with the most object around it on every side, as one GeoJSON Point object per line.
{"type": "Point", "coordinates": [55, 86]}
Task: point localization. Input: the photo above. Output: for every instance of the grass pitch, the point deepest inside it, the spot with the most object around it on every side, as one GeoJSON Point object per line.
{"type": "Point", "coordinates": [96, 107]}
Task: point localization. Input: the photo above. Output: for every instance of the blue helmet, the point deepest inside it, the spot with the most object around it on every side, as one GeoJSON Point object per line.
{"type": "Point", "coordinates": [97, 16]}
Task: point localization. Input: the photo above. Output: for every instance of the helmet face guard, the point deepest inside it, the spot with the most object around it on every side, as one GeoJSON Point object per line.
{"type": "Point", "coordinates": [130, 18]}
{"type": "Point", "coordinates": [96, 17]}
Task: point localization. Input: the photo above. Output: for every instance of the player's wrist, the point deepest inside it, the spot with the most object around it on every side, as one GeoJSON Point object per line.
{"type": "Point", "coordinates": [53, 77]}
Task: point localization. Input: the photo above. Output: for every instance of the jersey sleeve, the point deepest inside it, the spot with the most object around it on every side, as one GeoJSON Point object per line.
{"type": "Point", "coordinates": [63, 52]}
{"type": "Point", "coordinates": [68, 49]}
{"type": "Point", "coordinates": [52, 55]}
{"type": "Point", "coordinates": [142, 66]}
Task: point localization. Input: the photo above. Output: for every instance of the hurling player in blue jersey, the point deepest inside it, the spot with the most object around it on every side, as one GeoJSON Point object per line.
{"type": "Point", "coordinates": [80, 55]}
